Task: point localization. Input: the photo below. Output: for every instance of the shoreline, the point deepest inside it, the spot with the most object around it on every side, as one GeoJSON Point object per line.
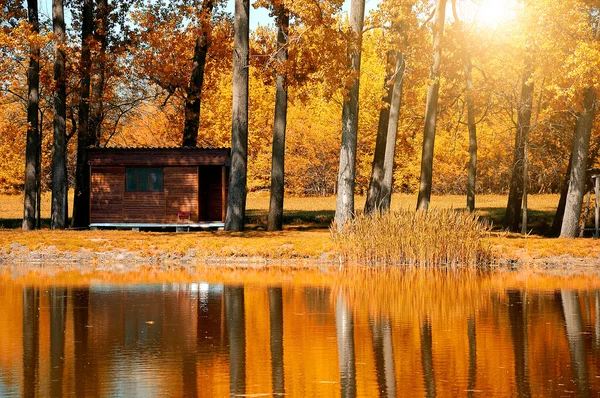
{"type": "Point", "coordinates": [119, 259]}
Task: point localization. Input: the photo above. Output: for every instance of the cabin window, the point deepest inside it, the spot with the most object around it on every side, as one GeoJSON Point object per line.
{"type": "Point", "coordinates": [144, 179]}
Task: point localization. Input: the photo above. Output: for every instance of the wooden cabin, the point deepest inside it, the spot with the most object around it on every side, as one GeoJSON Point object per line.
{"type": "Point", "coordinates": [158, 187]}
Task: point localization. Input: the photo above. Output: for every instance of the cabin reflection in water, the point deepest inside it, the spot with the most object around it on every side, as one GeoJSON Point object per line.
{"type": "Point", "coordinates": [216, 340]}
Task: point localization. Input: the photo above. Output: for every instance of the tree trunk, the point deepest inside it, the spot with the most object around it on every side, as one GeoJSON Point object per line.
{"type": "Point", "coordinates": [194, 90]}
{"type": "Point", "coordinates": [236, 200]}
{"type": "Point", "coordinates": [470, 100]}
{"type": "Point", "coordinates": [579, 159]}
{"type": "Point", "coordinates": [59, 149]}
{"type": "Point", "coordinates": [597, 207]}
{"type": "Point", "coordinates": [392, 132]}
{"type": "Point", "coordinates": [472, 174]}
{"type": "Point", "coordinates": [38, 174]}
{"type": "Point", "coordinates": [524, 219]}
{"type": "Point", "coordinates": [373, 200]}
{"type": "Point", "coordinates": [81, 200]}
{"type": "Point", "coordinates": [31, 186]}
{"type": "Point", "coordinates": [560, 209]}
{"type": "Point", "coordinates": [275, 220]}
{"type": "Point", "coordinates": [513, 207]}
{"type": "Point", "coordinates": [431, 109]}
{"type": "Point", "coordinates": [344, 207]}
{"type": "Point", "coordinates": [99, 70]}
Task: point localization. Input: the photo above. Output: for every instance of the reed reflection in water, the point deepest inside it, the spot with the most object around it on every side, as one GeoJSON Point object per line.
{"type": "Point", "coordinates": [391, 335]}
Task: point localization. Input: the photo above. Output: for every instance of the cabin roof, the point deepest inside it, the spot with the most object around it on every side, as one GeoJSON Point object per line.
{"type": "Point", "coordinates": [155, 148]}
{"type": "Point", "coordinates": [158, 156]}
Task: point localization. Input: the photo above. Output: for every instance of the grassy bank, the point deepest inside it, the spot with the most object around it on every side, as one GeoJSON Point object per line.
{"type": "Point", "coordinates": [274, 245]}
{"type": "Point", "coordinates": [306, 235]}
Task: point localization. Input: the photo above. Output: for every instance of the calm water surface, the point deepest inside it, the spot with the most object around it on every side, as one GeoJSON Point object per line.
{"type": "Point", "coordinates": [304, 333]}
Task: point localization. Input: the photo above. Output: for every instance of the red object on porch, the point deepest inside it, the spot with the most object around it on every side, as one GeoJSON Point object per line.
{"type": "Point", "coordinates": [183, 215]}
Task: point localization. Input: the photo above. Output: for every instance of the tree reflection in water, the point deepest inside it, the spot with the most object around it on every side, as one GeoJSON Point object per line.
{"type": "Point", "coordinates": [575, 335]}
{"type": "Point", "coordinates": [383, 349]}
{"type": "Point", "coordinates": [276, 339]}
{"type": "Point", "coordinates": [389, 334]}
{"type": "Point", "coordinates": [83, 369]}
{"type": "Point", "coordinates": [518, 328]}
{"type": "Point", "coordinates": [344, 323]}
{"type": "Point", "coordinates": [58, 325]}
{"type": "Point", "coordinates": [31, 332]}
{"type": "Point", "coordinates": [236, 333]}
{"type": "Point", "coordinates": [427, 359]}
{"type": "Point", "coordinates": [472, 336]}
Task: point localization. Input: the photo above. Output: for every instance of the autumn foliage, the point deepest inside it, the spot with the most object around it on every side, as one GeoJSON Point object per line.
{"type": "Point", "coordinates": [149, 65]}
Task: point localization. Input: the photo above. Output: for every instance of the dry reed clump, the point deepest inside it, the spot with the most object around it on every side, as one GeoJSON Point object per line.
{"type": "Point", "coordinates": [434, 238]}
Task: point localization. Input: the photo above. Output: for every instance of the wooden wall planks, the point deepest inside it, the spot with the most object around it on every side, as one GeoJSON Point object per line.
{"type": "Point", "coordinates": [181, 187]}
{"type": "Point", "coordinates": [107, 194]}
{"type": "Point", "coordinates": [144, 207]}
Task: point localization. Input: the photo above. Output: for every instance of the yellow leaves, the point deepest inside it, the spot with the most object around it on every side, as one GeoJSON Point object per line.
{"type": "Point", "coordinates": [12, 147]}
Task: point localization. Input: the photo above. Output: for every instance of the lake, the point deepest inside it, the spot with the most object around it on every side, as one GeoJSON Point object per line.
{"type": "Point", "coordinates": [297, 331]}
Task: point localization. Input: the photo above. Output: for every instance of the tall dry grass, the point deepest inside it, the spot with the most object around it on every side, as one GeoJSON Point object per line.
{"type": "Point", "coordinates": [435, 238]}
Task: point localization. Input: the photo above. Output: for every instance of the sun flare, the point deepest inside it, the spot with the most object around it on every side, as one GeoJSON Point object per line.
{"type": "Point", "coordinates": [489, 13]}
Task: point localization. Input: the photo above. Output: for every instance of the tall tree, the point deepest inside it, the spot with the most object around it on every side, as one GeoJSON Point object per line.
{"type": "Point", "coordinates": [579, 156]}
{"type": "Point", "coordinates": [515, 195]}
{"type": "Point", "coordinates": [431, 108]}
{"type": "Point", "coordinates": [380, 190]}
{"type": "Point", "coordinates": [579, 161]}
{"type": "Point", "coordinates": [236, 199]}
{"type": "Point", "coordinates": [81, 200]}
{"type": "Point", "coordinates": [33, 133]}
{"type": "Point", "coordinates": [194, 89]}
{"type": "Point", "coordinates": [392, 132]}
{"type": "Point", "coordinates": [275, 219]}
{"type": "Point", "coordinates": [59, 148]}
{"type": "Point", "coordinates": [472, 126]}
{"type": "Point", "coordinates": [562, 201]}
{"type": "Point", "coordinates": [470, 100]}
{"type": "Point", "coordinates": [98, 77]}
{"type": "Point", "coordinates": [373, 200]}
{"type": "Point", "coordinates": [525, 210]}
{"type": "Point", "coordinates": [344, 207]}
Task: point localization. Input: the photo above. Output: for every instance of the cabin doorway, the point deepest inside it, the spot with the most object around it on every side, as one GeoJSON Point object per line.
{"type": "Point", "coordinates": [211, 193]}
